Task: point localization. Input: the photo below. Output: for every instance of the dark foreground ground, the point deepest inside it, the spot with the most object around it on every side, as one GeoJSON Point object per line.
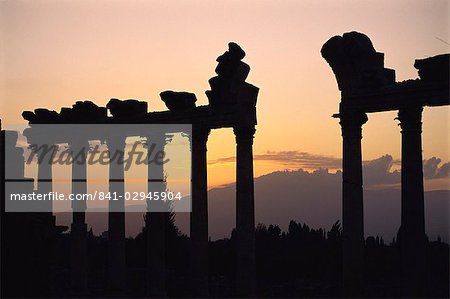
{"type": "Point", "coordinates": [302, 262]}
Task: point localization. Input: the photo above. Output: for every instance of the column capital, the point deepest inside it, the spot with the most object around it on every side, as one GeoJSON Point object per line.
{"type": "Point", "coordinates": [244, 133]}
{"type": "Point", "coordinates": [351, 123]}
{"type": "Point", "coordinates": [410, 119]}
{"type": "Point", "coordinates": [115, 142]}
{"type": "Point", "coordinates": [200, 134]}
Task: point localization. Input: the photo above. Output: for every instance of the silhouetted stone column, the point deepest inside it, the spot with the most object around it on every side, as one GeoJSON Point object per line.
{"type": "Point", "coordinates": [156, 221]}
{"type": "Point", "coordinates": [199, 214]}
{"type": "Point", "coordinates": [44, 184]}
{"type": "Point", "coordinates": [47, 219]}
{"type": "Point", "coordinates": [116, 216]}
{"type": "Point", "coordinates": [352, 202]}
{"type": "Point", "coordinates": [45, 154]}
{"type": "Point", "coordinates": [245, 213]}
{"type": "Point", "coordinates": [412, 237]}
{"type": "Point", "coordinates": [3, 222]}
{"type": "Point", "coordinates": [78, 233]}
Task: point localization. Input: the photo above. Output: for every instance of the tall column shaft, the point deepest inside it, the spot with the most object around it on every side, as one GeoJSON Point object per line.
{"type": "Point", "coordinates": [78, 234]}
{"type": "Point", "coordinates": [156, 219]}
{"type": "Point", "coordinates": [199, 214]}
{"type": "Point", "coordinates": [352, 203]}
{"type": "Point", "coordinates": [3, 266]}
{"type": "Point", "coordinates": [412, 237]}
{"type": "Point", "coordinates": [245, 213]}
{"type": "Point", "coordinates": [116, 217]}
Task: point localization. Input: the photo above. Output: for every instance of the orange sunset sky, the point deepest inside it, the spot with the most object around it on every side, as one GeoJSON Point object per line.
{"type": "Point", "coordinates": [53, 53]}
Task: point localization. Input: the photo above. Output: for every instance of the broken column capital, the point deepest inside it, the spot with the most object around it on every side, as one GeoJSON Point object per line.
{"type": "Point", "coordinates": [244, 134]}
{"type": "Point", "coordinates": [351, 123]}
{"type": "Point", "coordinates": [200, 134]}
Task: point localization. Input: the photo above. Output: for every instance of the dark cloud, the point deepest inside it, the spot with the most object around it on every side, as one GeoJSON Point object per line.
{"type": "Point", "coordinates": [432, 170]}
{"type": "Point", "coordinates": [293, 159]}
{"type": "Point", "coordinates": [378, 172]}
{"type": "Point", "coordinates": [443, 171]}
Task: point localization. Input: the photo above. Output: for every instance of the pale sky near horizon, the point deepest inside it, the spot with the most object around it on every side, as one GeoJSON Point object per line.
{"type": "Point", "coordinates": [53, 53]}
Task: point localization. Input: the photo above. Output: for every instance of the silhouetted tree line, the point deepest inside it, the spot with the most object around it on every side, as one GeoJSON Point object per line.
{"type": "Point", "coordinates": [299, 262]}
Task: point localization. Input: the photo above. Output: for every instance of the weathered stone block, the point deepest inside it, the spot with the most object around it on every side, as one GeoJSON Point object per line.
{"type": "Point", "coordinates": [127, 108]}
{"type": "Point", "coordinates": [178, 101]}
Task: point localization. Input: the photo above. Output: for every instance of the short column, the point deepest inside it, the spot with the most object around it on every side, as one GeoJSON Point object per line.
{"type": "Point", "coordinates": [45, 154]}
{"type": "Point", "coordinates": [116, 216]}
{"type": "Point", "coordinates": [78, 233]}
